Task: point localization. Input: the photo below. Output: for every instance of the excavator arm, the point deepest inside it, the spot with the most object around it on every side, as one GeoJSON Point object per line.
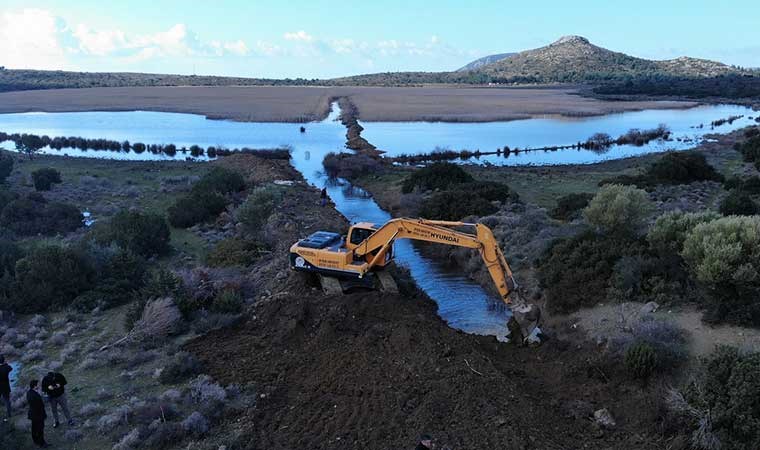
{"type": "Point", "coordinates": [442, 232]}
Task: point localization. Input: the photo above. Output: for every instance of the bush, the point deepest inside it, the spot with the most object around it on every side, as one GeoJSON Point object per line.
{"type": "Point", "coordinates": [33, 215]}
{"type": "Point", "coordinates": [6, 166]}
{"type": "Point", "coordinates": [196, 208]}
{"type": "Point", "coordinates": [682, 168]}
{"type": "Point", "coordinates": [117, 282]}
{"type": "Point", "coordinates": [206, 199]}
{"type": "Point", "coordinates": [669, 231]}
{"type": "Point", "coordinates": [439, 175]}
{"type": "Point", "coordinates": [455, 205]}
{"type": "Point", "coordinates": [180, 367]}
{"type": "Point", "coordinates": [724, 255]}
{"type": "Point", "coordinates": [489, 190]}
{"type": "Point", "coordinates": [738, 203]}
{"type": "Point", "coordinates": [45, 178]}
{"type": "Point", "coordinates": [143, 234]}
{"type": "Point", "coordinates": [257, 208]}
{"type": "Point", "coordinates": [673, 168]}
{"type": "Point", "coordinates": [350, 165]}
{"type": "Point", "coordinates": [750, 149]}
{"type": "Point", "coordinates": [750, 185]}
{"type": "Point", "coordinates": [234, 252]}
{"type": "Point", "coordinates": [640, 360]}
{"type": "Point", "coordinates": [575, 272]}
{"type": "Point", "coordinates": [721, 406]}
{"type": "Point", "coordinates": [49, 277]}
{"type": "Point", "coordinates": [161, 283]}
{"type": "Point", "coordinates": [228, 301]}
{"type": "Point", "coordinates": [6, 196]}
{"type": "Point", "coordinates": [569, 206]}
{"type": "Point", "coordinates": [618, 209]}
{"type": "Point", "coordinates": [9, 254]}
{"type": "Point", "coordinates": [220, 180]}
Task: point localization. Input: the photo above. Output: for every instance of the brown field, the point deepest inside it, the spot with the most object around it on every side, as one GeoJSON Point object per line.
{"type": "Point", "coordinates": [298, 104]}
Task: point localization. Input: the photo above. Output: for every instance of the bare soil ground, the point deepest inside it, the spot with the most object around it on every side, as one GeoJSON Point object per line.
{"type": "Point", "coordinates": [373, 371]}
{"type": "Point", "coordinates": [298, 104]}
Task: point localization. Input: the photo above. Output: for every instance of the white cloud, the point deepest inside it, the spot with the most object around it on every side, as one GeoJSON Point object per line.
{"type": "Point", "coordinates": [30, 39]}
{"type": "Point", "coordinates": [98, 43]}
{"type": "Point", "coordinates": [298, 36]}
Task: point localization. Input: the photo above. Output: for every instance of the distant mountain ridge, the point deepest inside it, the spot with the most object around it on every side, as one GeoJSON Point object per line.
{"type": "Point", "coordinates": [575, 59]}
{"type": "Point", "coordinates": [484, 61]}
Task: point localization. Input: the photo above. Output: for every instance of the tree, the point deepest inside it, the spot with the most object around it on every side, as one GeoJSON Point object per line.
{"type": "Point", "coordinates": [618, 209]}
{"type": "Point", "coordinates": [670, 230]}
{"type": "Point", "coordinates": [738, 203]}
{"type": "Point", "coordinates": [29, 144]}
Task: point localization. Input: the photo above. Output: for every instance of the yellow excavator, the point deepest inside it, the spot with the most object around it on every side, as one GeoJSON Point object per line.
{"type": "Point", "coordinates": [358, 259]}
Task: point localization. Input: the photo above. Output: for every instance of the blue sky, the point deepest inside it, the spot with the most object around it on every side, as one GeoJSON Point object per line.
{"type": "Point", "coordinates": [327, 39]}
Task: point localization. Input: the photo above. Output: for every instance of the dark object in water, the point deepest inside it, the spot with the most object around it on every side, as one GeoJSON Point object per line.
{"type": "Point", "coordinates": [303, 129]}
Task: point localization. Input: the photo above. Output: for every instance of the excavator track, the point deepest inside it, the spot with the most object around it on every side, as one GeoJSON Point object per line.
{"type": "Point", "coordinates": [387, 283]}
{"type": "Point", "coordinates": [330, 285]}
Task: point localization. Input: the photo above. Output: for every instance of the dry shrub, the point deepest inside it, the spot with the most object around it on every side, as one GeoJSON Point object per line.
{"type": "Point", "coordinates": [159, 319]}
{"type": "Point", "coordinates": [196, 424]}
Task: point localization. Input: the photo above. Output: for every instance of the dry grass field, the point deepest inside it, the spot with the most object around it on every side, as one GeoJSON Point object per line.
{"type": "Point", "coordinates": [298, 104]}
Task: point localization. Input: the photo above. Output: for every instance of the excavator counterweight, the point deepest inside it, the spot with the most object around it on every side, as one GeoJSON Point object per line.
{"type": "Point", "coordinates": [368, 248]}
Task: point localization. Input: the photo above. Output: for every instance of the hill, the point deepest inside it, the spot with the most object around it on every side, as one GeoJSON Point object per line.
{"type": "Point", "coordinates": [484, 61]}
{"type": "Point", "coordinates": [575, 59]}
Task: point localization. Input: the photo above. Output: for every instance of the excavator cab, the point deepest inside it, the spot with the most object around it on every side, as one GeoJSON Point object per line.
{"type": "Point", "coordinates": [359, 234]}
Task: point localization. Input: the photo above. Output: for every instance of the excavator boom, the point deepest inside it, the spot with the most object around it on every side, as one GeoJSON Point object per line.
{"type": "Point", "coordinates": [369, 247]}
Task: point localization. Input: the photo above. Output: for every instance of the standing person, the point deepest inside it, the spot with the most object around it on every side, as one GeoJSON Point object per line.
{"type": "Point", "coordinates": [5, 386]}
{"type": "Point", "coordinates": [36, 414]}
{"type": "Point", "coordinates": [53, 386]}
{"type": "Point", "coordinates": [426, 443]}
{"type": "Point", "coordinates": [323, 197]}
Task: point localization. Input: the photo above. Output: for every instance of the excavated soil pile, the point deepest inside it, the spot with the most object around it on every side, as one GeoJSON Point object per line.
{"type": "Point", "coordinates": [373, 371]}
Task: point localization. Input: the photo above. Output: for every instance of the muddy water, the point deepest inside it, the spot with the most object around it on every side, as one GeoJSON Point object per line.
{"type": "Point", "coordinates": [462, 303]}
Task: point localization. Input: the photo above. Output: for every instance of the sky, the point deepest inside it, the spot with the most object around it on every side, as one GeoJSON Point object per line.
{"type": "Point", "coordinates": [324, 39]}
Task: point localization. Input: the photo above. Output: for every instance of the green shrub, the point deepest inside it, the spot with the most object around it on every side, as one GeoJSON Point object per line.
{"type": "Point", "coordinates": [350, 165]}
{"type": "Point", "coordinates": [144, 234]}
{"type": "Point", "coordinates": [116, 283]}
{"type": "Point", "coordinates": [6, 196]}
{"type": "Point", "coordinates": [32, 215]}
{"type": "Point", "coordinates": [618, 209]}
{"type": "Point", "coordinates": [49, 277]}
{"type": "Point", "coordinates": [180, 367]}
{"type": "Point", "coordinates": [439, 175]}
{"type": "Point", "coordinates": [673, 168]}
{"type": "Point", "coordinates": [455, 205]}
{"type": "Point", "coordinates": [682, 168]}
{"type": "Point", "coordinates": [738, 203]}
{"type": "Point", "coordinates": [667, 234]}
{"type": "Point", "coordinates": [234, 252]}
{"type": "Point", "coordinates": [160, 283]}
{"type": "Point", "coordinates": [721, 405]}
{"type": "Point", "coordinates": [724, 255]}
{"type": "Point", "coordinates": [750, 149]}
{"type": "Point", "coordinates": [575, 272]}
{"type": "Point", "coordinates": [196, 208]}
{"type": "Point", "coordinates": [640, 360]}
{"type": "Point", "coordinates": [220, 180]}
{"type": "Point", "coordinates": [228, 301]}
{"type": "Point", "coordinates": [257, 208]}
{"type": "Point", "coordinates": [9, 254]}
{"type": "Point", "coordinates": [45, 178]}
{"type": "Point", "coordinates": [489, 190]}
{"type": "Point", "coordinates": [569, 206]}
{"type": "Point", "coordinates": [750, 185]}
{"type": "Point", "coordinates": [6, 166]}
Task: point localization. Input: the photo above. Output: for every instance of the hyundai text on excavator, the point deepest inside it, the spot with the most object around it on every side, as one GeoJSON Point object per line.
{"type": "Point", "coordinates": [359, 257]}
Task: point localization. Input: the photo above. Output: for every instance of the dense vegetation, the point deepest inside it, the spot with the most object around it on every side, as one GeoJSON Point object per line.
{"type": "Point", "coordinates": [142, 234]}
{"type": "Point", "coordinates": [673, 168]}
{"type": "Point", "coordinates": [45, 178]}
{"type": "Point", "coordinates": [435, 176]}
{"type": "Point", "coordinates": [207, 199]}
{"type": "Point", "coordinates": [724, 86]}
{"type": "Point", "coordinates": [32, 214]}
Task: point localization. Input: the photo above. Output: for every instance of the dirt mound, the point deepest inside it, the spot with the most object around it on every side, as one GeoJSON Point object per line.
{"type": "Point", "coordinates": [374, 371]}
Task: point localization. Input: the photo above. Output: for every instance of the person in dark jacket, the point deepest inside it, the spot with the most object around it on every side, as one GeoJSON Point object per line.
{"type": "Point", "coordinates": [53, 385]}
{"type": "Point", "coordinates": [5, 386]}
{"type": "Point", "coordinates": [36, 414]}
{"type": "Point", "coordinates": [426, 443]}
{"type": "Point", "coordinates": [323, 197]}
